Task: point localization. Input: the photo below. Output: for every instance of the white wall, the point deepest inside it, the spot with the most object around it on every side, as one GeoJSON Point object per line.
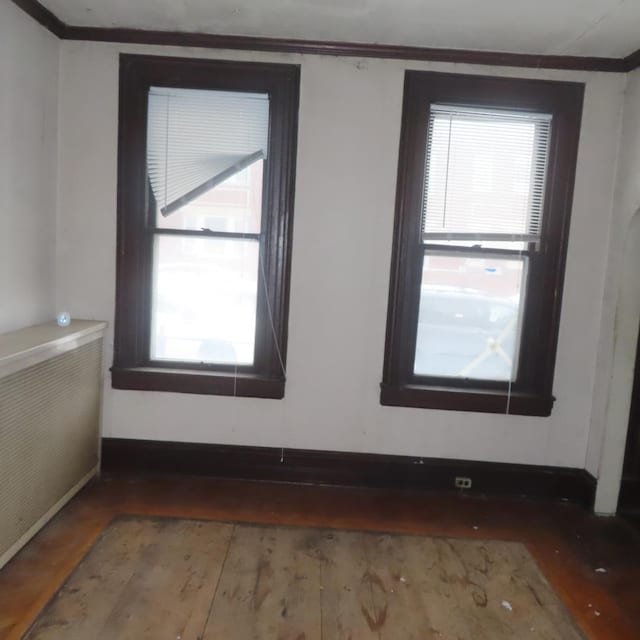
{"type": "Point", "coordinates": [621, 315]}
{"type": "Point", "coordinates": [347, 158]}
{"type": "Point", "coordinates": [29, 58]}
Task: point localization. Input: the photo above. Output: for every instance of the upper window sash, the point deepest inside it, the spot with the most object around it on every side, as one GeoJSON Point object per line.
{"type": "Point", "coordinates": [485, 174]}
{"type": "Point", "coordinates": [197, 139]}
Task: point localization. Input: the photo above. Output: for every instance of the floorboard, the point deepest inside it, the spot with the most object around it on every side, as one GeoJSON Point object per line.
{"type": "Point", "coordinates": [166, 579]}
{"type": "Point", "coordinates": [566, 543]}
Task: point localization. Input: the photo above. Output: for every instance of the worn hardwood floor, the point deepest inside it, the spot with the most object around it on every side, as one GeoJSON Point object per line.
{"type": "Point", "coordinates": [155, 579]}
{"type": "Point", "coordinates": [567, 544]}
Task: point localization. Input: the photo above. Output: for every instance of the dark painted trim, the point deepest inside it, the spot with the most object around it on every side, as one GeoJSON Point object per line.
{"type": "Point", "coordinates": [466, 399]}
{"type": "Point", "coordinates": [324, 47]}
{"type": "Point", "coordinates": [532, 390]}
{"type": "Point", "coordinates": [350, 49]}
{"type": "Point", "coordinates": [42, 15]}
{"type": "Point", "coordinates": [134, 367]}
{"type": "Point", "coordinates": [629, 501]}
{"type": "Point", "coordinates": [632, 518]}
{"type": "Point", "coordinates": [199, 382]}
{"type": "Point", "coordinates": [632, 61]}
{"type": "Point", "coordinates": [347, 469]}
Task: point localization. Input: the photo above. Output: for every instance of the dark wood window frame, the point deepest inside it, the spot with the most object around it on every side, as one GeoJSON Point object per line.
{"type": "Point", "coordinates": [532, 391]}
{"type": "Point", "coordinates": [132, 366]}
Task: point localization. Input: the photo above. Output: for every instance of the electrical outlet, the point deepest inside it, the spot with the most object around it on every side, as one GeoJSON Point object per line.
{"type": "Point", "coordinates": [461, 482]}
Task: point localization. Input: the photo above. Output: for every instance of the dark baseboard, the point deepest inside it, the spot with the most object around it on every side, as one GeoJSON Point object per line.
{"type": "Point", "coordinates": [629, 495]}
{"type": "Point", "coordinates": [632, 517]}
{"type": "Point", "coordinates": [347, 469]}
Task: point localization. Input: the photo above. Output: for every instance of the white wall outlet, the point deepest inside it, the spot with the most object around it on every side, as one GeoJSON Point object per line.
{"type": "Point", "coordinates": [461, 482]}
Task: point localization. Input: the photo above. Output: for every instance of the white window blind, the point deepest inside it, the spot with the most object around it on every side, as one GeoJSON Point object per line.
{"type": "Point", "coordinates": [198, 138]}
{"type": "Point", "coordinates": [485, 174]}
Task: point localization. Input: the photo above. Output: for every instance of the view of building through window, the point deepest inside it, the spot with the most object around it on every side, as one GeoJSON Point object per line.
{"type": "Point", "coordinates": [484, 180]}
{"type": "Point", "coordinates": [469, 314]}
{"type": "Point", "coordinates": [205, 288]}
{"type": "Point", "coordinates": [205, 156]}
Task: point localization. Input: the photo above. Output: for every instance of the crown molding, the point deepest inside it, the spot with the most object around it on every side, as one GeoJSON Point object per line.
{"type": "Point", "coordinates": [42, 15]}
{"type": "Point", "coordinates": [348, 49]}
{"type": "Point", "coordinates": [632, 61]}
{"type": "Point", "coordinates": [321, 47]}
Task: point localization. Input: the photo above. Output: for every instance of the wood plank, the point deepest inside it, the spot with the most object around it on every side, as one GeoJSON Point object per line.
{"type": "Point", "coordinates": [354, 602]}
{"type": "Point", "coordinates": [147, 579]}
{"type": "Point", "coordinates": [185, 559]}
{"type": "Point", "coordinates": [409, 587]}
{"type": "Point", "coordinates": [570, 566]}
{"type": "Point", "coordinates": [270, 587]}
{"type": "Point", "coordinates": [420, 606]}
{"type": "Point", "coordinates": [541, 610]}
{"type": "Point", "coordinates": [459, 578]}
{"type": "Point", "coordinates": [85, 601]}
{"type": "Point", "coordinates": [474, 589]}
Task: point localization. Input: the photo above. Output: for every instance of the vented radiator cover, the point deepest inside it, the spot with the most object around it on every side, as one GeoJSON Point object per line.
{"type": "Point", "coordinates": [49, 424]}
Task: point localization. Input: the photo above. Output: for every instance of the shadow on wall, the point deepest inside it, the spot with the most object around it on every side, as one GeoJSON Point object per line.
{"type": "Point", "coordinates": [625, 339]}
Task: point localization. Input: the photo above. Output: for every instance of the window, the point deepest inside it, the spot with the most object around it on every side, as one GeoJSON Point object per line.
{"type": "Point", "coordinates": [205, 202]}
{"type": "Point", "coordinates": [485, 183]}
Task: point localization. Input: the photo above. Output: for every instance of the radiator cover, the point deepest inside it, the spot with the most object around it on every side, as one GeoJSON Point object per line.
{"type": "Point", "coordinates": [49, 431]}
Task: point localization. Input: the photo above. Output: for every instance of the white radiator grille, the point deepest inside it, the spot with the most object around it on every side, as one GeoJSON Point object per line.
{"type": "Point", "coordinates": [49, 431]}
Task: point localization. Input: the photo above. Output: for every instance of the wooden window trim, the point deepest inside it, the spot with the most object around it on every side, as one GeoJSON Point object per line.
{"type": "Point", "coordinates": [132, 367]}
{"type": "Point", "coordinates": [532, 392]}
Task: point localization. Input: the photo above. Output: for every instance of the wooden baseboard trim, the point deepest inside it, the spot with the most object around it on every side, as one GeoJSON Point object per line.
{"type": "Point", "coordinates": [631, 517]}
{"type": "Point", "coordinates": [629, 500]}
{"type": "Point", "coordinates": [347, 469]}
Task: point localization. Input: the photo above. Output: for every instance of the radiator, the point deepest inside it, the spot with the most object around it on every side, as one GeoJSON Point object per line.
{"type": "Point", "coordinates": [50, 402]}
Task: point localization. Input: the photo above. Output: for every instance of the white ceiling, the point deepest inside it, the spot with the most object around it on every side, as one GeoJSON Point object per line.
{"type": "Point", "coordinates": [573, 27]}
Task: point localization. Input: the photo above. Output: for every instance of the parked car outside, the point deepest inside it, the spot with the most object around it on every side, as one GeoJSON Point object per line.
{"type": "Point", "coordinates": [465, 334]}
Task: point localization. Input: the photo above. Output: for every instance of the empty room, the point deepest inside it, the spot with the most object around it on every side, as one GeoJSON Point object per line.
{"type": "Point", "coordinates": [319, 320]}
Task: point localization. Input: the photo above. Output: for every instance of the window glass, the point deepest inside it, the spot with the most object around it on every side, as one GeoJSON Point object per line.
{"type": "Point", "coordinates": [204, 300]}
{"type": "Point", "coordinates": [485, 173]}
{"type": "Point", "coordinates": [234, 205]}
{"type": "Point", "coordinates": [205, 151]}
{"type": "Point", "coordinates": [469, 317]}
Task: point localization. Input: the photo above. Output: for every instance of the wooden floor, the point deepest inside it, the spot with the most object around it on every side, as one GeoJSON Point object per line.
{"type": "Point", "coordinates": [592, 565]}
{"type": "Point", "coordinates": [155, 579]}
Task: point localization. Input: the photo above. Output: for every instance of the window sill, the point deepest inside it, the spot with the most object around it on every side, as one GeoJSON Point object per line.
{"type": "Point", "coordinates": [199, 382]}
{"type": "Point", "coordinates": [482, 401]}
